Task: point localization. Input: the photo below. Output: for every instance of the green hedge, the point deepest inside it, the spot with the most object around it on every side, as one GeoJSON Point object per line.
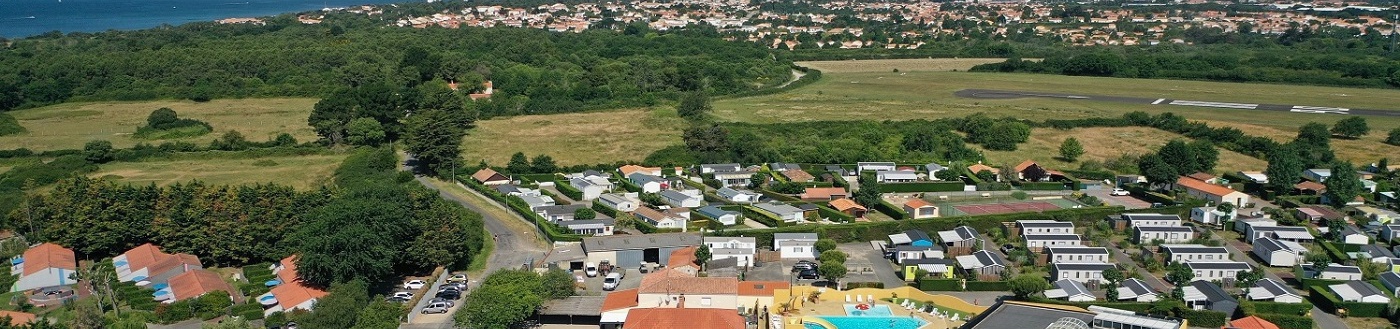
{"type": "Point", "coordinates": [762, 217]}
{"type": "Point", "coordinates": [1325, 300]}
{"type": "Point", "coordinates": [879, 230]}
{"type": "Point", "coordinates": [1094, 175]}
{"type": "Point", "coordinates": [854, 285]}
{"type": "Point", "coordinates": [604, 209]}
{"type": "Point", "coordinates": [940, 284]}
{"type": "Point", "coordinates": [1337, 255]}
{"type": "Point", "coordinates": [888, 209]}
{"type": "Point", "coordinates": [987, 286]}
{"type": "Point", "coordinates": [550, 230]}
{"type": "Point", "coordinates": [921, 187]}
{"type": "Point", "coordinates": [1286, 321]}
{"type": "Point", "coordinates": [1203, 318]}
{"type": "Point", "coordinates": [627, 185]}
{"type": "Point", "coordinates": [1042, 186]}
{"type": "Point", "coordinates": [568, 190]}
{"type": "Point", "coordinates": [1282, 308]}
{"type": "Point", "coordinates": [538, 177]}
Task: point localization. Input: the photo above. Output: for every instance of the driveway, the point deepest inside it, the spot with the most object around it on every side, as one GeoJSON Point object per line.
{"type": "Point", "coordinates": [1157, 283]}
{"type": "Point", "coordinates": [1126, 201]}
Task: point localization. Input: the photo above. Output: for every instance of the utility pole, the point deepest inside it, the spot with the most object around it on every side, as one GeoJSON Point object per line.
{"type": "Point", "coordinates": [1395, 16]}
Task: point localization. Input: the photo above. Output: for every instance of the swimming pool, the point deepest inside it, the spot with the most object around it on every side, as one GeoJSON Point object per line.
{"type": "Point", "coordinates": [875, 310]}
{"type": "Point", "coordinates": [877, 317]}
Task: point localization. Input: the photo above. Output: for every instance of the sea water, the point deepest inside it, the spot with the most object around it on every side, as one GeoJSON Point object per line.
{"type": "Point", "coordinates": [22, 18]}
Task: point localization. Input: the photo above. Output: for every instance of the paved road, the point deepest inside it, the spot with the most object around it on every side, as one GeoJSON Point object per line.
{"type": "Point", "coordinates": [515, 245]}
{"type": "Point", "coordinates": [1157, 283]}
{"type": "Point", "coordinates": [562, 197]}
{"type": "Point", "coordinates": [1012, 94]}
{"type": "Point", "coordinates": [1322, 319]}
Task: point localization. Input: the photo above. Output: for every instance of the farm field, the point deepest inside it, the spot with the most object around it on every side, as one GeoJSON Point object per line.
{"type": "Point", "coordinates": [1103, 143]}
{"type": "Point", "coordinates": [70, 125]}
{"type": "Point", "coordinates": [903, 65]}
{"type": "Point", "coordinates": [301, 172]}
{"type": "Point", "coordinates": [575, 138]}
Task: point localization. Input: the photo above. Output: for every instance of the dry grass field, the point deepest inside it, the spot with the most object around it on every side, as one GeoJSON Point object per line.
{"type": "Point", "coordinates": [1365, 150]}
{"type": "Point", "coordinates": [903, 65]}
{"type": "Point", "coordinates": [301, 172]}
{"type": "Point", "coordinates": [69, 126]}
{"type": "Point", "coordinates": [1104, 143]}
{"type": "Point", "coordinates": [575, 138]}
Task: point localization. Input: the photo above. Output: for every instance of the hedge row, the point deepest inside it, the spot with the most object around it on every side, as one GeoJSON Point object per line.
{"type": "Point", "coordinates": [550, 230]}
{"type": "Point", "coordinates": [987, 286]}
{"type": "Point", "coordinates": [854, 285]}
{"type": "Point", "coordinates": [568, 190]}
{"type": "Point", "coordinates": [1042, 186]}
{"type": "Point", "coordinates": [1313, 282]}
{"type": "Point", "coordinates": [539, 177]}
{"type": "Point", "coordinates": [1329, 302]}
{"type": "Point", "coordinates": [762, 217]}
{"type": "Point", "coordinates": [1285, 321]}
{"type": "Point", "coordinates": [604, 209]}
{"type": "Point", "coordinates": [1094, 175]}
{"type": "Point", "coordinates": [1282, 308]}
{"type": "Point", "coordinates": [888, 209]}
{"type": "Point", "coordinates": [1203, 318]}
{"type": "Point", "coordinates": [1128, 306]}
{"type": "Point", "coordinates": [777, 196]}
{"type": "Point", "coordinates": [1337, 255]}
{"type": "Point", "coordinates": [940, 284]}
{"type": "Point", "coordinates": [867, 231]}
{"type": "Point", "coordinates": [921, 187]}
{"type": "Point", "coordinates": [833, 214]}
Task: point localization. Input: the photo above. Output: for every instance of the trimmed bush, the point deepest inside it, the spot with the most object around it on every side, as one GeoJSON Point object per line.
{"type": "Point", "coordinates": [854, 285]}
{"type": "Point", "coordinates": [1042, 186]}
{"type": "Point", "coordinates": [778, 196]}
{"type": "Point", "coordinates": [940, 284]}
{"type": "Point", "coordinates": [1282, 308]}
{"type": "Point", "coordinates": [921, 187]}
{"type": "Point", "coordinates": [604, 209]}
{"type": "Point", "coordinates": [1203, 318]}
{"type": "Point", "coordinates": [888, 209]}
{"type": "Point", "coordinates": [1286, 321]}
{"type": "Point", "coordinates": [762, 217]}
{"type": "Point", "coordinates": [568, 190]}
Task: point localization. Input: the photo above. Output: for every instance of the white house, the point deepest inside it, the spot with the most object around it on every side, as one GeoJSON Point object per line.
{"type": "Point", "coordinates": [1391, 281]}
{"type": "Point", "coordinates": [1204, 295]}
{"type": "Point", "coordinates": [896, 176]}
{"type": "Point", "coordinates": [1279, 253]}
{"type": "Point", "coordinates": [668, 219]}
{"type": "Point", "coordinates": [686, 198]}
{"type": "Point", "coordinates": [1358, 291]}
{"type": "Point", "coordinates": [919, 209]}
{"type": "Point", "coordinates": [1246, 225]}
{"type": "Point", "coordinates": [648, 183]}
{"type": "Point", "coordinates": [1389, 232]}
{"type": "Point", "coordinates": [1168, 234]}
{"type": "Point", "coordinates": [1043, 226]}
{"type": "Point", "coordinates": [782, 211]}
{"type": "Point", "coordinates": [1216, 194]}
{"type": "Point", "coordinates": [720, 167]}
{"type": "Point", "coordinates": [1070, 290]}
{"type": "Point", "coordinates": [739, 178]}
{"type": "Point", "coordinates": [556, 214]}
{"type": "Point", "coordinates": [1336, 271]}
{"type": "Point", "coordinates": [1077, 254]}
{"type": "Point", "coordinates": [1193, 253]}
{"type": "Point", "coordinates": [725, 217]}
{"type": "Point", "coordinates": [959, 237]}
{"type": "Point", "coordinates": [1139, 220]}
{"type": "Point", "coordinates": [1211, 271]}
{"type": "Point", "coordinates": [982, 263]}
{"type": "Point", "coordinates": [933, 169]}
{"type": "Point", "coordinates": [1273, 291]}
{"type": "Point", "coordinates": [742, 249]}
{"type": "Point", "coordinates": [1255, 176]}
{"type": "Point", "coordinates": [738, 196]}
{"type": "Point", "coordinates": [591, 187]}
{"type": "Point", "coordinates": [875, 166]}
{"type": "Point", "coordinates": [620, 202]}
{"type": "Point", "coordinates": [1035, 242]}
{"type": "Point", "coordinates": [1082, 272]}
{"type": "Point", "coordinates": [43, 266]}
{"type": "Point", "coordinates": [1353, 235]}
{"type": "Point", "coordinates": [795, 245]}
{"type": "Point", "coordinates": [537, 201]}
{"type": "Point", "coordinates": [1297, 234]}
{"type": "Point", "coordinates": [1136, 290]}
{"type": "Point", "coordinates": [904, 253]}
{"type": "Point", "coordinates": [1317, 174]}
{"type": "Point", "coordinates": [1211, 216]}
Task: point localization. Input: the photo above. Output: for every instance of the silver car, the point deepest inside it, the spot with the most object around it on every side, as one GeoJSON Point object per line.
{"type": "Point", "coordinates": [438, 307]}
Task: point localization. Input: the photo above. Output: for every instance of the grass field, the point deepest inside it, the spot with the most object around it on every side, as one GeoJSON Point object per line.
{"type": "Point", "coordinates": [301, 172]}
{"type": "Point", "coordinates": [575, 138]}
{"type": "Point", "coordinates": [1104, 143]}
{"type": "Point", "coordinates": [69, 126]}
{"type": "Point", "coordinates": [903, 65]}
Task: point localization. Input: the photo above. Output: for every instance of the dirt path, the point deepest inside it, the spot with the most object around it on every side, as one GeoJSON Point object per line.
{"type": "Point", "coordinates": [796, 75]}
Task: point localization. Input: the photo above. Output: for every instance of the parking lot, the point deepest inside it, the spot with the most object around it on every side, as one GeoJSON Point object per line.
{"type": "Point", "coordinates": [1126, 201]}
{"type": "Point", "coordinates": [594, 285]}
{"type": "Point", "coordinates": [428, 292]}
{"type": "Point", "coordinates": [857, 254]}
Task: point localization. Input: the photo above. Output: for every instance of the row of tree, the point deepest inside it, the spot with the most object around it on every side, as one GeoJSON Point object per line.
{"type": "Point", "coordinates": [920, 141]}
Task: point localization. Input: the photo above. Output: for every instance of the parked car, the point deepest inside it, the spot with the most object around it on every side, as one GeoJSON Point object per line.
{"type": "Point", "coordinates": [438, 307]}
{"type": "Point", "coordinates": [611, 281]}
{"type": "Point", "coordinates": [460, 278]}
{"type": "Point", "coordinates": [414, 284]}
{"type": "Point", "coordinates": [804, 265]}
{"type": "Point", "coordinates": [402, 296]}
{"type": "Point", "coordinates": [1119, 192]}
{"type": "Point", "coordinates": [590, 270]}
{"type": "Point", "coordinates": [449, 294]}
{"type": "Point", "coordinates": [449, 302]}
{"type": "Point", "coordinates": [462, 286]}
{"type": "Point", "coordinates": [290, 325]}
{"type": "Point", "coordinates": [807, 275]}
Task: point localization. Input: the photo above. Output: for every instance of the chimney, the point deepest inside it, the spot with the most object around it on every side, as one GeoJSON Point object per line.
{"type": "Point", "coordinates": [681, 302]}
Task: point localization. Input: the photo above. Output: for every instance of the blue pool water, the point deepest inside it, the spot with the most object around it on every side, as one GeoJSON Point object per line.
{"type": "Point", "coordinates": [877, 317]}
{"type": "Point", "coordinates": [875, 310]}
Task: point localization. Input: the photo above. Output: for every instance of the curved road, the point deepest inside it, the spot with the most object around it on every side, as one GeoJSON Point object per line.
{"type": "Point", "coordinates": [517, 243]}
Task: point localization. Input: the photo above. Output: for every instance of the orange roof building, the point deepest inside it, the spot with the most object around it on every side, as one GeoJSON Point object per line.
{"type": "Point", "coordinates": [487, 176]}
{"type": "Point", "coordinates": [149, 264]}
{"type": "Point", "coordinates": [620, 299]}
{"type": "Point", "coordinates": [1215, 193]}
{"type": "Point", "coordinates": [848, 207]}
{"type": "Point", "coordinates": [976, 168]}
{"type": "Point", "coordinates": [291, 293]}
{"type": "Point", "coordinates": [919, 208]}
{"type": "Point", "coordinates": [18, 318]}
{"type": "Point", "coordinates": [43, 266]}
{"type": "Point", "coordinates": [798, 175]}
{"type": "Point", "coordinates": [1024, 164]}
{"type": "Point", "coordinates": [1250, 322]}
{"type": "Point", "coordinates": [627, 170]}
{"type": "Point", "coordinates": [824, 193]}
{"type": "Point", "coordinates": [197, 282]}
{"type": "Point", "coordinates": [683, 318]}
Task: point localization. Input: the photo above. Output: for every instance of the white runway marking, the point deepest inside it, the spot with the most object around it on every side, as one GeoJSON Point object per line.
{"type": "Point", "coordinates": [1319, 110]}
{"type": "Point", "coordinates": [1216, 104]}
{"type": "Point", "coordinates": [1159, 101]}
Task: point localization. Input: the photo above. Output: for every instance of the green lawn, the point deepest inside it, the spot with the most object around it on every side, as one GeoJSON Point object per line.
{"type": "Point", "coordinates": [301, 172]}
{"type": "Point", "coordinates": [70, 125]}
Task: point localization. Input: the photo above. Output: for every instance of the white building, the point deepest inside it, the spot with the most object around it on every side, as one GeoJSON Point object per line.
{"type": "Point", "coordinates": [45, 265]}
{"type": "Point", "coordinates": [1077, 254]}
{"type": "Point", "coordinates": [1269, 290]}
{"type": "Point", "coordinates": [1211, 271]}
{"type": "Point", "coordinates": [738, 196]}
{"type": "Point", "coordinates": [620, 202]}
{"type": "Point", "coordinates": [1082, 272]}
{"type": "Point", "coordinates": [795, 245]}
{"type": "Point", "coordinates": [742, 249]}
{"type": "Point", "coordinates": [896, 176]}
{"type": "Point", "coordinates": [1211, 216]}
{"type": "Point", "coordinates": [1139, 220]}
{"type": "Point", "coordinates": [592, 187]}
{"type": "Point", "coordinates": [1358, 291]}
{"type": "Point", "coordinates": [1041, 226]}
{"type": "Point", "coordinates": [1035, 242]}
{"type": "Point", "coordinates": [1136, 290]}
{"type": "Point", "coordinates": [1167, 234]}
{"type": "Point", "coordinates": [875, 166]}
{"type": "Point", "coordinates": [782, 211]}
{"type": "Point", "coordinates": [1336, 271]}
{"type": "Point", "coordinates": [1070, 290]}
{"type": "Point", "coordinates": [1279, 253]}
{"type": "Point", "coordinates": [1193, 253]}
{"type": "Point", "coordinates": [686, 198]}
{"type": "Point", "coordinates": [648, 183]}
{"type": "Point", "coordinates": [671, 218]}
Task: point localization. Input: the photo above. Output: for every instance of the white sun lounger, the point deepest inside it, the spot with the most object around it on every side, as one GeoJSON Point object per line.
{"type": "Point", "coordinates": [848, 298]}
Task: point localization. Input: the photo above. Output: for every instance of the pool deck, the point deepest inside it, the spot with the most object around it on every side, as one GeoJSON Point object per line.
{"type": "Point", "coordinates": [837, 308]}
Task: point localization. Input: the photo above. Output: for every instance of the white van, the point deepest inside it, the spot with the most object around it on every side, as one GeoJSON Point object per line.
{"type": "Point", "coordinates": [611, 281]}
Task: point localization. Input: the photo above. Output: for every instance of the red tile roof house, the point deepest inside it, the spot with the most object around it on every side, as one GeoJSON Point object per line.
{"type": "Point", "coordinates": [197, 282]}
{"type": "Point", "coordinates": [1216, 194]}
{"type": "Point", "coordinates": [290, 293]}
{"type": "Point", "coordinates": [489, 177]}
{"type": "Point", "coordinates": [683, 318]}
{"type": "Point", "coordinates": [824, 193]}
{"type": "Point", "coordinates": [147, 263]}
{"type": "Point", "coordinates": [44, 266]}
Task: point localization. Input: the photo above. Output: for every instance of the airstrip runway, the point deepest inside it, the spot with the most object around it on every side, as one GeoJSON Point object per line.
{"type": "Point", "coordinates": [1011, 94]}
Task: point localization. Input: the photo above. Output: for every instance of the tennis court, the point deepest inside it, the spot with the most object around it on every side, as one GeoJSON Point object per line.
{"type": "Point", "coordinates": [1003, 208]}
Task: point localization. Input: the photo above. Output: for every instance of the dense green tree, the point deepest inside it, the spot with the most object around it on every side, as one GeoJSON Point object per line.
{"type": "Point", "coordinates": [823, 245]}
{"type": "Point", "coordinates": [702, 255]}
{"type": "Point", "coordinates": [161, 118]}
{"type": "Point", "coordinates": [518, 164]}
{"type": "Point", "coordinates": [1206, 156]}
{"type": "Point", "coordinates": [1156, 170]}
{"type": "Point", "coordinates": [1178, 155]}
{"type": "Point", "coordinates": [1247, 279]}
{"type": "Point", "coordinates": [543, 164]}
{"type": "Point", "coordinates": [1352, 127]}
{"type": "Point", "coordinates": [1285, 168]}
{"type": "Point", "coordinates": [379, 314]}
{"type": "Point", "coordinates": [504, 300]}
{"type": "Point", "coordinates": [1344, 185]}
{"type": "Point", "coordinates": [869, 193]}
{"type": "Point", "coordinates": [585, 214]}
{"type": "Point", "coordinates": [340, 308]}
{"type": "Point", "coordinates": [1179, 275]}
{"type": "Point", "coordinates": [365, 131]}
{"type": "Point", "coordinates": [434, 139]}
{"type": "Point", "coordinates": [694, 106]}
{"type": "Point", "coordinates": [1314, 134]}
{"type": "Point", "coordinates": [1070, 149]}
{"type": "Point", "coordinates": [98, 151]}
{"type": "Point", "coordinates": [832, 271]}
{"type": "Point", "coordinates": [1319, 260]}
{"type": "Point", "coordinates": [832, 256]}
{"type": "Point", "coordinates": [1393, 138]}
{"type": "Point", "coordinates": [374, 226]}
{"type": "Point", "coordinates": [986, 175]}
{"type": "Point", "coordinates": [557, 283]}
{"type": "Point", "coordinates": [710, 143]}
{"type": "Point", "coordinates": [1026, 285]}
